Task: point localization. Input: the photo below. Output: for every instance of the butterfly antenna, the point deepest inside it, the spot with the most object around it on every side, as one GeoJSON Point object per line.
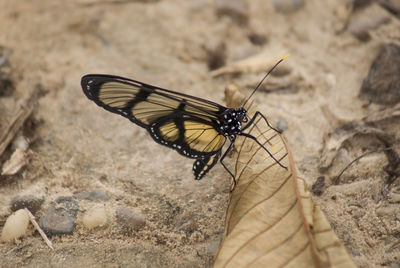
{"type": "Point", "coordinates": [262, 80]}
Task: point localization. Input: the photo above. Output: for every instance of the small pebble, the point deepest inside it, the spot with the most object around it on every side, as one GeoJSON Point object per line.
{"type": "Point", "coordinates": [356, 253]}
{"type": "Point", "coordinates": [383, 81]}
{"type": "Point", "coordinates": [32, 203]}
{"type": "Point", "coordinates": [15, 226]}
{"type": "Point", "coordinates": [216, 56]}
{"type": "Point", "coordinates": [21, 143]}
{"type": "Point", "coordinates": [95, 195]}
{"type": "Point", "coordinates": [3, 60]}
{"type": "Point", "coordinates": [95, 217]}
{"type": "Point", "coordinates": [394, 197]}
{"type": "Point", "coordinates": [282, 125]}
{"type": "Point", "coordinates": [60, 217]}
{"type": "Point", "coordinates": [7, 87]}
{"type": "Point", "coordinates": [387, 211]}
{"type": "Point", "coordinates": [287, 6]}
{"type": "Point", "coordinates": [331, 79]}
{"type": "Point", "coordinates": [258, 39]}
{"type": "Point", "coordinates": [362, 25]}
{"type": "Point", "coordinates": [237, 10]}
{"type": "Point", "coordinates": [130, 219]}
{"type": "Point", "coordinates": [319, 186]}
{"type": "Point", "coordinates": [213, 247]}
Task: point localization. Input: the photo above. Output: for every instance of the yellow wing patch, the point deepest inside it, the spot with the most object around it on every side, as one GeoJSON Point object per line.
{"type": "Point", "coordinates": [117, 95]}
{"type": "Point", "coordinates": [169, 132]}
{"type": "Point", "coordinates": [202, 137]}
{"type": "Point", "coordinates": [147, 112]}
{"type": "Point", "coordinates": [153, 108]}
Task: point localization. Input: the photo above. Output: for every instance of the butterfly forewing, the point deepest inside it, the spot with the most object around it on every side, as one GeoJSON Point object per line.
{"type": "Point", "coordinates": [142, 103]}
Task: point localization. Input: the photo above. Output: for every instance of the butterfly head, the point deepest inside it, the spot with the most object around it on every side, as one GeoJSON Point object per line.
{"type": "Point", "coordinates": [241, 114]}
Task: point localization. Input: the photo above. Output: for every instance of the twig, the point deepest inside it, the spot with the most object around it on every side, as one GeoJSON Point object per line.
{"type": "Point", "coordinates": [336, 180]}
{"type": "Point", "coordinates": [33, 221]}
{"type": "Point", "coordinates": [111, 2]}
{"type": "Point", "coordinates": [20, 117]}
{"type": "Point", "coordinates": [18, 248]}
{"type": "Point", "coordinates": [11, 250]}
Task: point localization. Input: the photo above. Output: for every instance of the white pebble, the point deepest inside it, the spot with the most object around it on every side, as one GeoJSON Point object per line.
{"type": "Point", "coordinates": [15, 226]}
{"type": "Point", "coordinates": [21, 143]}
{"type": "Point", "coordinates": [331, 79]}
{"type": "Point", "coordinates": [95, 217]}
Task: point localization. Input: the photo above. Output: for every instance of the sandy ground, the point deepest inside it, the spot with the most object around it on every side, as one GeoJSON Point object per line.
{"type": "Point", "coordinates": [78, 147]}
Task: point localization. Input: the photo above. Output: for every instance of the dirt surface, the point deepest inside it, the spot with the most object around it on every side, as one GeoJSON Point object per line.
{"type": "Point", "coordinates": [77, 147]}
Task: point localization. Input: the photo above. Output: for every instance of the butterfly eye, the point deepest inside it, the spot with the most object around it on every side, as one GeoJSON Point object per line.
{"type": "Point", "coordinates": [245, 119]}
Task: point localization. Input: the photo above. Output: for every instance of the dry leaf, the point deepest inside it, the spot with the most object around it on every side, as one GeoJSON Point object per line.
{"type": "Point", "coordinates": [271, 219]}
{"type": "Point", "coordinates": [17, 161]}
{"type": "Point", "coordinates": [254, 64]}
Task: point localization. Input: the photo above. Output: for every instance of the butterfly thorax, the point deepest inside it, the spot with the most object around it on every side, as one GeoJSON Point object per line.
{"type": "Point", "coordinates": [231, 122]}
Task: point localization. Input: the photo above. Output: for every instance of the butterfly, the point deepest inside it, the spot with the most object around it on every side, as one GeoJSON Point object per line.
{"type": "Point", "coordinates": [196, 128]}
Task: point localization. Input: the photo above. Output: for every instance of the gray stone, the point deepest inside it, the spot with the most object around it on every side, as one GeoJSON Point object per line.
{"type": "Point", "coordinates": [319, 186]}
{"type": "Point", "coordinates": [288, 6]}
{"type": "Point", "coordinates": [237, 10]}
{"type": "Point", "coordinates": [258, 39]}
{"type": "Point", "coordinates": [130, 219]}
{"type": "Point", "coordinates": [60, 217]}
{"type": "Point", "coordinates": [361, 26]}
{"type": "Point", "coordinates": [282, 125]}
{"type": "Point", "coordinates": [216, 56]}
{"type": "Point", "coordinates": [393, 6]}
{"type": "Point", "coordinates": [7, 86]}
{"type": "Point", "coordinates": [33, 203]}
{"type": "Point", "coordinates": [95, 195]}
{"type": "Point", "coordinates": [213, 247]}
{"type": "Point", "coordinates": [382, 85]}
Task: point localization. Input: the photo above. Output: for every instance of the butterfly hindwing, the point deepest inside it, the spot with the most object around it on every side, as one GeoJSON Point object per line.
{"type": "Point", "coordinates": [203, 165]}
{"type": "Point", "coordinates": [191, 136]}
{"type": "Point", "coordinates": [144, 104]}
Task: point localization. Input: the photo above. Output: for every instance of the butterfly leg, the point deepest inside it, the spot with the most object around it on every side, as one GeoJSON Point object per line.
{"type": "Point", "coordinates": [254, 118]}
{"type": "Point", "coordinates": [223, 157]}
{"type": "Point", "coordinates": [255, 139]}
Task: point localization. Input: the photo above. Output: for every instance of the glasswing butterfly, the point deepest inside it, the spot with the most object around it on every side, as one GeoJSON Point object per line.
{"type": "Point", "coordinates": [194, 127]}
